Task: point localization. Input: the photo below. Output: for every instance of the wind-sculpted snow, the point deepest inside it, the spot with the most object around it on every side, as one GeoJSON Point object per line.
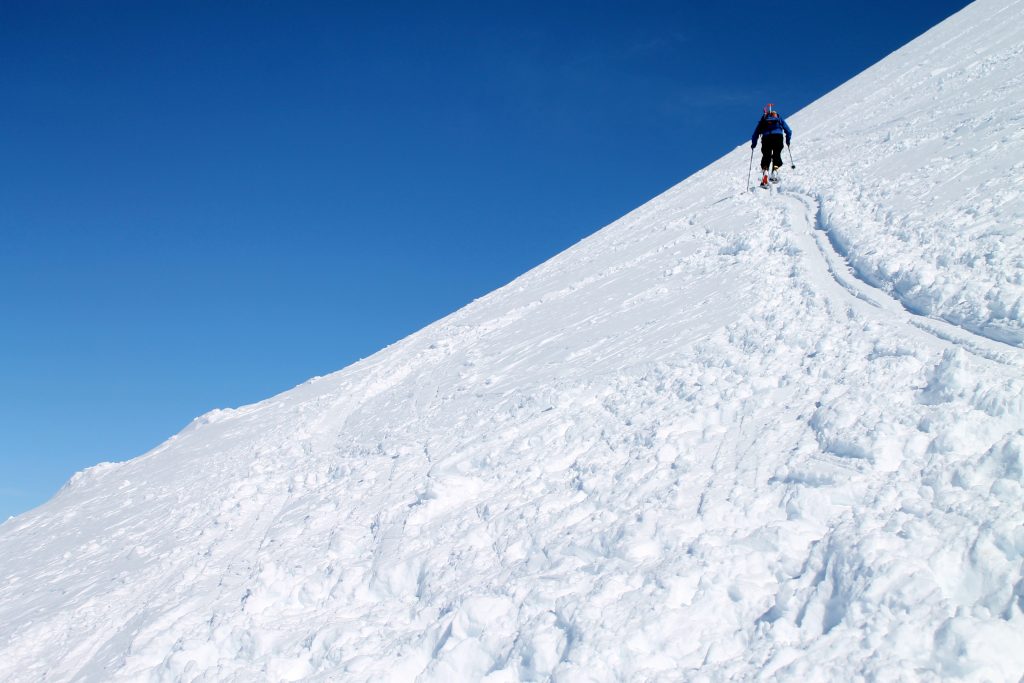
{"type": "Point", "coordinates": [920, 163]}
{"type": "Point", "coordinates": [721, 439]}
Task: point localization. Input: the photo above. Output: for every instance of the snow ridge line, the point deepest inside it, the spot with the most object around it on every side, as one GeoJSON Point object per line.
{"type": "Point", "coordinates": [848, 279]}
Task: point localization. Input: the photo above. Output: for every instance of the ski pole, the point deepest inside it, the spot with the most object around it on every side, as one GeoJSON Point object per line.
{"type": "Point", "coordinates": [749, 167]}
{"type": "Point", "coordinates": [791, 164]}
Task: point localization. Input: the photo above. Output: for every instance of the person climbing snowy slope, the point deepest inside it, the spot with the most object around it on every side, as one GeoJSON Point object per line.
{"type": "Point", "coordinates": [771, 129]}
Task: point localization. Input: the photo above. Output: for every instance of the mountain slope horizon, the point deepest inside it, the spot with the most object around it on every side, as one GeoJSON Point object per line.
{"type": "Point", "coordinates": [736, 434]}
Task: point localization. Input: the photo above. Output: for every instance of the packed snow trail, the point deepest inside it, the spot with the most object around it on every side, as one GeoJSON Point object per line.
{"type": "Point", "coordinates": [692, 447]}
{"type": "Point", "coordinates": [838, 268]}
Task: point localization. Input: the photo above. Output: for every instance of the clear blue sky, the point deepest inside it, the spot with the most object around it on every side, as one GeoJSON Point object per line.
{"type": "Point", "coordinates": [205, 203]}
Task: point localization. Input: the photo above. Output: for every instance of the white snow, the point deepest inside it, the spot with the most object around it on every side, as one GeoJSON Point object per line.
{"type": "Point", "coordinates": [732, 436]}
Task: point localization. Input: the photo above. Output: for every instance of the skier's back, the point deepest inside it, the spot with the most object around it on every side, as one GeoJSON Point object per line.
{"type": "Point", "coordinates": [771, 129]}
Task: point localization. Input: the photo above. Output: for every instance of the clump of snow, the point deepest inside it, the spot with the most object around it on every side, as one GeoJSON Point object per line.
{"type": "Point", "coordinates": [733, 435]}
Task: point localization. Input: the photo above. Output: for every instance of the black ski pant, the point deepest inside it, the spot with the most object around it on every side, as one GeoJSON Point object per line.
{"type": "Point", "coordinates": [771, 150]}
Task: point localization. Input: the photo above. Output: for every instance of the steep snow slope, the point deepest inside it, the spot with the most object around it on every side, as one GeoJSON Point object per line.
{"type": "Point", "coordinates": [734, 435]}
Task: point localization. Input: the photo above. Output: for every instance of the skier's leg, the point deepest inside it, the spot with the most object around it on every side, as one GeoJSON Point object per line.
{"type": "Point", "coordinates": [777, 152]}
{"type": "Point", "coordinates": [766, 158]}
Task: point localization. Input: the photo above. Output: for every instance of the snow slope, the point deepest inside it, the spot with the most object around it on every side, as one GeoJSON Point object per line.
{"type": "Point", "coordinates": [732, 436]}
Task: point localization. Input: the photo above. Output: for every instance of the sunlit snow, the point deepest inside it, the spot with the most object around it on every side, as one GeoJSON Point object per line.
{"type": "Point", "coordinates": [736, 435]}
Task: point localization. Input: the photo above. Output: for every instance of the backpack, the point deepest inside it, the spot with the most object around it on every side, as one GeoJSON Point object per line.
{"type": "Point", "coordinates": [770, 122]}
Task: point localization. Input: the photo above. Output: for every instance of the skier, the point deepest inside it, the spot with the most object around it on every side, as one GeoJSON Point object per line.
{"type": "Point", "coordinates": [771, 128]}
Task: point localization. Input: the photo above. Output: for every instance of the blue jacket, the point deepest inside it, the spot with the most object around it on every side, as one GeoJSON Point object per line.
{"type": "Point", "coordinates": [774, 125]}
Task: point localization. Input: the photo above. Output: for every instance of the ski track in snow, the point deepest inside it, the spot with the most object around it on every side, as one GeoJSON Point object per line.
{"type": "Point", "coordinates": [840, 270]}
{"type": "Point", "coordinates": [733, 436]}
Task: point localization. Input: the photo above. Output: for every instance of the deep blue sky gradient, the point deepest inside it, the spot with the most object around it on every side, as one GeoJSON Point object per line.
{"type": "Point", "coordinates": [205, 203]}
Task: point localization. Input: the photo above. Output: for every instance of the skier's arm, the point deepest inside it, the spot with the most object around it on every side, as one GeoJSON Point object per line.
{"type": "Point", "coordinates": [789, 133]}
{"type": "Point", "coordinates": [753, 138]}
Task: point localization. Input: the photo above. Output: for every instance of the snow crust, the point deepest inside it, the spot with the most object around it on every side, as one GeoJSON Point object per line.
{"type": "Point", "coordinates": [733, 436]}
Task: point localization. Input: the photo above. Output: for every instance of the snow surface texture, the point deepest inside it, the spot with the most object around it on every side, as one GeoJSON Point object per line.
{"type": "Point", "coordinates": [736, 435]}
